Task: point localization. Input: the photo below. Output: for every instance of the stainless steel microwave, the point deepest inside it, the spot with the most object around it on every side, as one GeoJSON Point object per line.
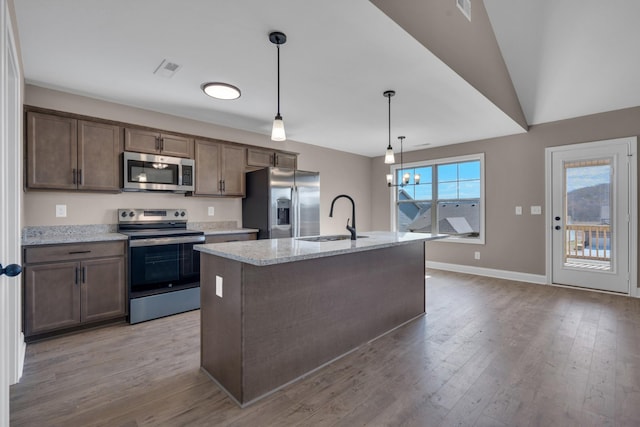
{"type": "Point", "coordinates": [161, 173]}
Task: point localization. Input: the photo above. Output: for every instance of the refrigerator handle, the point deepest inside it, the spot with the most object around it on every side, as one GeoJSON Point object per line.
{"type": "Point", "coordinates": [294, 204]}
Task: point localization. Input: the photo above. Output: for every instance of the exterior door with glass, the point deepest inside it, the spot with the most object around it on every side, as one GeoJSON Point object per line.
{"type": "Point", "coordinates": [591, 215]}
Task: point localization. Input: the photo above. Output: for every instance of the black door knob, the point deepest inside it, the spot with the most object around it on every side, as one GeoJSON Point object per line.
{"type": "Point", "coordinates": [10, 270]}
{"type": "Point", "coordinates": [557, 227]}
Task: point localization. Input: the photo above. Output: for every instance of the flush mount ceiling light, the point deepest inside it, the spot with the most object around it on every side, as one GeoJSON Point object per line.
{"type": "Point", "coordinates": [389, 158]}
{"type": "Point", "coordinates": [221, 90]}
{"type": "Point", "coordinates": [277, 132]}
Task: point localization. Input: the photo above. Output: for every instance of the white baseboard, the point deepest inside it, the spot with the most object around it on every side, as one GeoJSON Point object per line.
{"type": "Point", "coordinates": [539, 279]}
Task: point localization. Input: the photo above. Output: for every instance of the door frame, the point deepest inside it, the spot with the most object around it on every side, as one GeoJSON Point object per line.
{"type": "Point", "coordinates": [632, 143]}
{"type": "Point", "coordinates": [11, 337]}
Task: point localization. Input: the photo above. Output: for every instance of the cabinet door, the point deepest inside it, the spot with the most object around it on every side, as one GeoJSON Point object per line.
{"type": "Point", "coordinates": [52, 297]}
{"type": "Point", "coordinates": [141, 141]}
{"type": "Point", "coordinates": [232, 168]}
{"type": "Point", "coordinates": [261, 158]}
{"type": "Point", "coordinates": [285, 160]}
{"type": "Point", "coordinates": [51, 151]}
{"type": "Point", "coordinates": [174, 145]}
{"type": "Point", "coordinates": [99, 148]}
{"type": "Point", "coordinates": [103, 289]}
{"type": "Point", "coordinates": [207, 159]}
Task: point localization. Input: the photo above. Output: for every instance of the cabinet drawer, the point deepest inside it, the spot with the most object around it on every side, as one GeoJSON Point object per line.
{"type": "Point", "coordinates": [73, 251]}
{"type": "Point", "coordinates": [221, 238]}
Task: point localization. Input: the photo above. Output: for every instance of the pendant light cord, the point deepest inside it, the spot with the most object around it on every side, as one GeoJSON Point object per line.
{"type": "Point", "coordinates": [389, 120]}
{"type": "Point", "coordinates": [278, 47]}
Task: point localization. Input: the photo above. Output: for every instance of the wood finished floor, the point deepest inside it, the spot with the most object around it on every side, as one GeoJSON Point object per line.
{"type": "Point", "coordinates": [490, 352]}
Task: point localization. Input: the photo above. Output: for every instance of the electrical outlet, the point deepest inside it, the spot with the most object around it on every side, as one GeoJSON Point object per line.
{"type": "Point", "coordinates": [536, 210]}
{"type": "Point", "coordinates": [518, 210]}
{"type": "Point", "coordinates": [219, 286]}
{"type": "Point", "coordinates": [211, 211]}
{"type": "Point", "coordinates": [61, 211]}
{"type": "Point", "coordinates": [476, 255]}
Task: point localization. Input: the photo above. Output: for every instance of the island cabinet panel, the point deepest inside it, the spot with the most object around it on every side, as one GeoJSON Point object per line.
{"type": "Point", "coordinates": [294, 317]}
{"type": "Point", "coordinates": [221, 349]}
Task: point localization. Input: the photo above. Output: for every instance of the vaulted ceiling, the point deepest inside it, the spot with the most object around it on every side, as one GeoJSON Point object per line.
{"type": "Point", "coordinates": [565, 59]}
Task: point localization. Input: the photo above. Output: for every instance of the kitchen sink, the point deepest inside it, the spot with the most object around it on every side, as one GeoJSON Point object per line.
{"type": "Point", "coordinates": [332, 238]}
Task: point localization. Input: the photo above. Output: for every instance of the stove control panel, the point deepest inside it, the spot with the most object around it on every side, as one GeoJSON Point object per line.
{"type": "Point", "coordinates": [151, 215]}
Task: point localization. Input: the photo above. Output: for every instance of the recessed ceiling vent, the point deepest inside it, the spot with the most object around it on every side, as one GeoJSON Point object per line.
{"type": "Point", "coordinates": [465, 7]}
{"type": "Point", "coordinates": [167, 69]}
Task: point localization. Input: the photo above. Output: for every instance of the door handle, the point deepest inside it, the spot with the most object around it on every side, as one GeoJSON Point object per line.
{"type": "Point", "coordinates": [557, 227]}
{"type": "Point", "coordinates": [11, 270]}
{"type": "Point", "coordinates": [557, 218]}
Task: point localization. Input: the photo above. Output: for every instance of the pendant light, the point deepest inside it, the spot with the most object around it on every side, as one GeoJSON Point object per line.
{"type": "Point", "coordinates": [405, 176]}
{"type": "Point", "coordinates": [389, 158]}
{"type": "Point", "coordinates": [277, 132]}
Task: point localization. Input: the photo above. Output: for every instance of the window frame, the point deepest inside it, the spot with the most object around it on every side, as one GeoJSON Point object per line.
{"type": "Point", "coordinates": [480, 240]}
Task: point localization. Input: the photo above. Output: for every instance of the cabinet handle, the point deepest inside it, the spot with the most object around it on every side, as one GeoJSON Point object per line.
{"type": "Point", "coordinates": [73, 176]}
{"type": "Point", "coordinates": [275, 159]}
{"type": "Point", "coordinates": [79, 252]}
{"type": "Point", "coordinates": [80, 177]}
{"type": "Point", "coordinates": [224, 188]}
{"type": "Point", "coordinates": [161, 144]}
{"type": "Point", "coordinates": [77, 272]}
{"type": "Point", "coordinates": [84, 274]}
{"type": "Point", "coordinates": [157, 143]}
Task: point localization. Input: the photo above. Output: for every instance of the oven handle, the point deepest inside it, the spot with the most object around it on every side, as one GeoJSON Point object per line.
{"type": "Point", "coordinates": [158, 241]}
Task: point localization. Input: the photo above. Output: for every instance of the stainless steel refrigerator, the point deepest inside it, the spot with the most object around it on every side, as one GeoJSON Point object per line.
{"type": "Point", "coordinates": [282, 203]}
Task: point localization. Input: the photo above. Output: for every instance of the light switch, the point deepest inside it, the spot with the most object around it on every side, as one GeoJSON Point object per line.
{"type": "Point", "coordinates": [61, 211]}
{"type": "Point", "coordinates": [211, 211]}
{"type": "Point", "coordinates": [518, 210]}
{"type": "Point", "coordinates": [536, 210]}
{"type": "Point", "coordinates": [219, 286]}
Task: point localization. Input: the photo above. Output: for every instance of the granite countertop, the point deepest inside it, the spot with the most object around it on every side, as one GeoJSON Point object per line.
{"type": "Point", "coordinates": [278, 251]}
{"type": "Point", "coordinates": [60, 234]}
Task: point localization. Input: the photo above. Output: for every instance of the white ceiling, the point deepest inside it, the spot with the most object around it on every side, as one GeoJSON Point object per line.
{"type": "Point", "coordinates": [569, 58]}
{"type": "Point", "coordinates": [339, 57]}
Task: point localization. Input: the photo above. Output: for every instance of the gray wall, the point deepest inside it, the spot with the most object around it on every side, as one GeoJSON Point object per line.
{"type": "Point", "coordinates": [514, 176]}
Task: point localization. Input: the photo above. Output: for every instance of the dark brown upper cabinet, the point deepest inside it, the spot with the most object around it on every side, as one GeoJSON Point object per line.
{"type": "Point", "coordinates": [70, 154]}
{"type": "Point", "coordinates": [258, 158]}
{"type": "Point", "coordinates": [153, 142]}
{"type": "Point", "coordinates": [220, 169]}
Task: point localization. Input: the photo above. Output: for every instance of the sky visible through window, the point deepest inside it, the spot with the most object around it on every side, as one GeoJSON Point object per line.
{"type": "Point", "coordinates": [587, 176]}
{"type": "Point", "coordinates": [455, 181]}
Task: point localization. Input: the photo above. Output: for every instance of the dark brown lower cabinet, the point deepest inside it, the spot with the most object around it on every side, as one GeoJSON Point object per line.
{"type": "Point", "coordinates": [72, 285]}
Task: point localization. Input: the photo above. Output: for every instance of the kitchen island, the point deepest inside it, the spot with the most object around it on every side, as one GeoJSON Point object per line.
{"type": "Point", "coordinates": [275, 310]}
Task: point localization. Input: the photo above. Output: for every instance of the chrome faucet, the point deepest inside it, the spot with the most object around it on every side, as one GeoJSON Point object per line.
{"type": "Point", "coordinates": [352, 228]}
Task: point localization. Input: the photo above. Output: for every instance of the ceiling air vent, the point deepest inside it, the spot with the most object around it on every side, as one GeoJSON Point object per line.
{"type": "Point", "coordinates": [465, 7]}
{"type": "Point", "coordinates": [167, 69]}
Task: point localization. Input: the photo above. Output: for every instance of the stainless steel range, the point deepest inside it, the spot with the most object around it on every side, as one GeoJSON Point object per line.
{"type": "Point", "coordinates": [164, 270]}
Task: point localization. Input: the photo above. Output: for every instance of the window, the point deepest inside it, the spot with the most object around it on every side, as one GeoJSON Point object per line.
{"type": "Point", "coordinates": [444, 196]}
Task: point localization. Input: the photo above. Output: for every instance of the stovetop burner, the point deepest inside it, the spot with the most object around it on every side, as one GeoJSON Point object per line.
{"type": "Point", "coordinates": [148, 223]}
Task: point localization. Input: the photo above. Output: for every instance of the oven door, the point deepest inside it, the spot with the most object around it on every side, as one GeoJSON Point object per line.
{"type": "Point", "coordinates": [156, 266]}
